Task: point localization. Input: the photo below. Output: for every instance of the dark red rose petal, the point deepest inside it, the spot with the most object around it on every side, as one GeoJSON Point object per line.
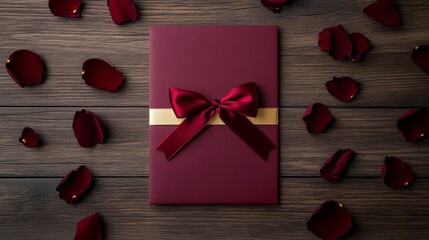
{"type": "Point", "coordinates": [89, 228]}
{"type": "Point", "coordinates": [325, 41]}
{"type": "Point", "coordinates": [414, 124]}
{"type": "Point", "coordinates": [317, 118]}
{"type": "Point", "coordinates": [395, 173]}
{"type": "Point", "coordinates": [99, 74]}
{"type": "Point", "coordinates": [335, 41]}
{"type": "Point", "coordinates": [274, 5]}
{"type": "Point", "coordinates": [360, 46]}
{"type": "Point", "coordinates": [344, 89]}
{"type": "Point", "coordinates": [421, 57]}
{"type": "Point", "coordinates": [25, 67]}
{"type": "Point", "coordinates": [385, 12]}
{"type": "Point", "coordinates": [122, 11]}
{"type": "Point", "coordinates": [29, 138]}
{"type": "Point", "coordinates": [334, 167]}
{"type": "Point", "coordinates": [74, 184]}
{"type": "Point", "coordinates": [330, 221]}
{"type": "Point", "coordinates": [88, 128]}
{"type": "Point", "coordinates": [65, 8]}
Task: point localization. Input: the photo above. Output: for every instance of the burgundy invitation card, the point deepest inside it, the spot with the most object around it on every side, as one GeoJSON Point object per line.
{"type": "Point", "coordinates": [216, 166]}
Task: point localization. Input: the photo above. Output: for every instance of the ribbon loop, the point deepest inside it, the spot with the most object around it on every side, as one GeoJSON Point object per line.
{"type": "Point", "coordinates": [242, 99]}
{"type": "Point", "coordinates": [233, 108]}
{"type": "Point", "coordinates": [186, 103]}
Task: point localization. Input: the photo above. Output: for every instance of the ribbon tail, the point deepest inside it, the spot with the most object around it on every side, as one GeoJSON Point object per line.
{"type": "Point", "coordinates": [183, 133]}
{"type": "Point", "coordinates": [248, 132]}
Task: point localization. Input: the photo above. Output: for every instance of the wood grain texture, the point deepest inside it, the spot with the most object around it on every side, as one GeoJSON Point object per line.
{"type": "Point", "coordinates": [390, 84]}
{"type": "Point", "coordinates": [372, 133]}
{"type": "Point", "coordinates": [377, 211]}
{"type": "Point", "coordinates": [388, 76]}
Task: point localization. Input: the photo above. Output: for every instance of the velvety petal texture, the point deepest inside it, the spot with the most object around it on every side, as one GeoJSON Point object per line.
{"type": "Point", "coordinates": [334, 167]}
{"type": "Point", "coordinates": [72, 187]}
{"type": "Point", "coordinates": [89, 228]}
{"type": "Point", "coordinates": [29, 138]}
{"type": "Point", "coordinates": [122, 11]}
{"type": "Point", "coordinates": [395, 173]}
{"type": "Point", "coordinates": [341, 45]}
{"type": "Point", "coordinates": [330, 221]}
{"type": "Point", "coordinates": [335, 41]}
{"type": "Point", "coordinates": [385, 12]}
{"type": "Point", "coordinates": [99, 74]}
{"type": "Point", "coordinates": [344, 88]}
{"type": "Point", "coordinates": [274, 5]}
{"type": "Point", "coordinates": [65, 8]}
{"type": "Point", "coordinates": [420, 56]}
{"type": "Point", "coordinates": [414, 124]}
{"type": "Point", "coordinates": [360, 46]}
{"type": "Point", "coordinates": [88, 128]}
{"type": "Point", "coordinates": [25, 67]}
{"type": "Point", "coordinates": [317, 118]}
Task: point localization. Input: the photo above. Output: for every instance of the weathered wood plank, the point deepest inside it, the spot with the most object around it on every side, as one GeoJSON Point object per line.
{"type": "Point", "coordinates": [372, 133]}
{"type": "Point", "coordinates": [31, 209]}
{"type": "Point", "coordinates": [124, 152]}
{"type": "Point", "coordinates": [390, 80]}
{"type": "Point", "coordinates": [300, 20]}
{"type": "Point", "coordinates": [388, 76]}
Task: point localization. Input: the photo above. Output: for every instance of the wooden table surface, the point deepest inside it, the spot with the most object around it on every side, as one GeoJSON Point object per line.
{"type": "Point", "coordinates": [390, 84]}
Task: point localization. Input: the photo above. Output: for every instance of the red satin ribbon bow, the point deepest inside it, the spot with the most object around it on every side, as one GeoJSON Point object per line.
{"type": "Point", "coordinates": [233, 108]}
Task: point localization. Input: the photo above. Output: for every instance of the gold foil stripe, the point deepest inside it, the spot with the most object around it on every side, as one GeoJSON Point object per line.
{"type": "Point", "coordinates": [165, 116]}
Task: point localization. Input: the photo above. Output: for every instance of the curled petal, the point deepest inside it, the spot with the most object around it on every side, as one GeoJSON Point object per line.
{"type": "Point", "coordinates": [360, 45]}
{"type": "Point", "coordinates": [335, 41]}
{"type": "Point", "coordinates": [395, 173]}
{"type": "Point", "coordinates": [421, 57]}
{"type": "Point", "coordinates": [89, 228]}
{"type": "Point", "coordinates": [122, 11]}
{"type": "Point", "coordinates": [29, 138]}
{"type": "Point", "coordinates": [385, 12]}
{"type": "Point", "coordinates": [317, 118]}
{"type": "Point", "coordinates": [72, 187]}
{"type": "Point", "coordinates": [88, 128]}
{"type": "Point", "coordinates": [414, 124]}
{"type": "Point", "coordinates": [274, 5]}
{"type": "Point", "coordinates": [330, 221]}
{"type": "Point", "coordinates": [344, 88]}
{"type": "Point", "coordinates": [25, 67]}
{"type": "Point", "coordinates": [334, 167]}
{"type": "Point", "coordinates": [65, 8]}
{"type": "Point", "coordinates": [99, 74]}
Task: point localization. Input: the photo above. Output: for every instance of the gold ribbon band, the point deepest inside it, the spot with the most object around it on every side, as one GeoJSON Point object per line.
{"type": "Point", "coordinates": [165, 116]}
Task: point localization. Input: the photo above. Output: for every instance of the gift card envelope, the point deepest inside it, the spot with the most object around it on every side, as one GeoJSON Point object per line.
{"type": "Point", "coordinates": [235, 68]}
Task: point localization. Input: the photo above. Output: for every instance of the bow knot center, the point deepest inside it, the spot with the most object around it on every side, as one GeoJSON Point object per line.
{"type": "Point", "coordinates": [215, 103]}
